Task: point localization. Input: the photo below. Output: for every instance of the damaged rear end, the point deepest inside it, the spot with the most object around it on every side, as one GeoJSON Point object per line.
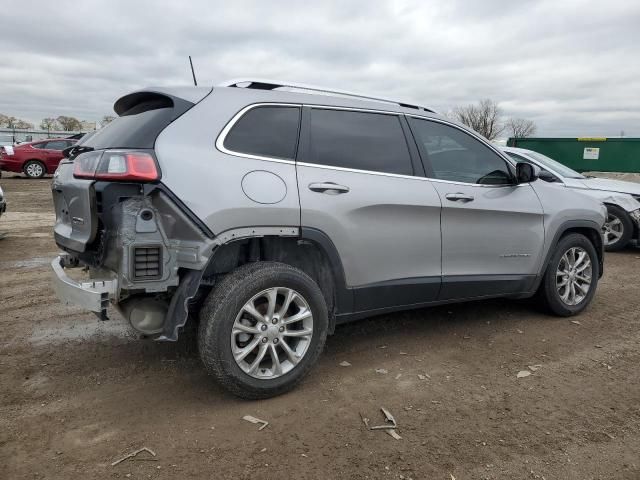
{"type": "Point", "coordinates": [126, 239]}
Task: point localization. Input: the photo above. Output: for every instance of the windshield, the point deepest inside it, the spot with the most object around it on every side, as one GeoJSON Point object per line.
{"type": "Point", "coordinates": [554, 165]}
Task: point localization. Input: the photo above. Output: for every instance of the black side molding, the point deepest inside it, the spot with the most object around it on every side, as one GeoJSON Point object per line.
{"type": "Point", "coordinates": [344, 295]}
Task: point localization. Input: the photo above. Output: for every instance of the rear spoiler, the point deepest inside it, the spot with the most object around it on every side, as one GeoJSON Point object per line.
{"type": "Point", "coordinates": [152, 98]}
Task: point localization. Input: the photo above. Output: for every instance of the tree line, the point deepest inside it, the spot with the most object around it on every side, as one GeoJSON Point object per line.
{"type": "Point", "coordinates": [60, 123]}
{"type": "Point", "coordinates": [486, 119]}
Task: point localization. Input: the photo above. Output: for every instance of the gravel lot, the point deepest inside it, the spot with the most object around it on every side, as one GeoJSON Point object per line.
{"type": "Point", "coordinates": [77, 394]}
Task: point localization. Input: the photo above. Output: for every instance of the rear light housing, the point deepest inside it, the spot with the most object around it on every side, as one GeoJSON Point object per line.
{"type": "Point", "coordinates": [117, 166]}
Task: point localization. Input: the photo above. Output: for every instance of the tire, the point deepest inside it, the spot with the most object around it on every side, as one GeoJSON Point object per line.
{"type": "Point", "coordinates": [551, 293]}
{"type": "Point", "coordinates": [34, 169]}
{"type": "Point", "coordinates": [618, 229]}
{"type": "Point", "coordinates": [223, 320]}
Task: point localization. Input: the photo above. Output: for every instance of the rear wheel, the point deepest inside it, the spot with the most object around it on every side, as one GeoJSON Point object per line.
{"type": "Point", "coordinates": [262, 328]}
{"type": "Point", "coordinates": [570, 281]}
{"type": "Point", "coordinates": [34, 169]}
{"type": "Point", "coordinates": [617, 229]}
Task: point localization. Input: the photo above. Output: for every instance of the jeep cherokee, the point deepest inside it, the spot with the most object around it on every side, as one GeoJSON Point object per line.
{"type": "Point", "coordinates": [269, 212]}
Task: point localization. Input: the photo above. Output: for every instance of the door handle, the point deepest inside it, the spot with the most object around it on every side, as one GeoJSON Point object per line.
{"type": "Point", "coordinates": [328, 187]}
{"type": "Point", "coordinates": [459, 197]}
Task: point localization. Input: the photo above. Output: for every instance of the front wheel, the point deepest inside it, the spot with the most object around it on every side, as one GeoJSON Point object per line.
{"type": "Point", "coordinates": [262, 328]}
{"type": "Point", "coordinates": [617, 229]}
{"type": "Point", "coordinates": [571, 278]}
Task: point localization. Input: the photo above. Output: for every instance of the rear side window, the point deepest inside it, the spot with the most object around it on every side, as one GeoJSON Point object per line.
{"type": "Point", "coordinates": [456, 156]}
{"type": "Point", "coordinates": [359, 140]}
{"type": "Point", "coordinates": [269, 131]}
{"type": "Point", "coordinates": [57, 145]}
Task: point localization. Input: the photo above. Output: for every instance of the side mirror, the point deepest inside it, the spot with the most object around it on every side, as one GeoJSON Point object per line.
{"type": "Point", "coordinates": [525, 172]}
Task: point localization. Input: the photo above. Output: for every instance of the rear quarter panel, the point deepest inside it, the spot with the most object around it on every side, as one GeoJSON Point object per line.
{"type": "Point", "coordinates": [209, 181]}
{"type": "Point", "coordinates": [53, 160]}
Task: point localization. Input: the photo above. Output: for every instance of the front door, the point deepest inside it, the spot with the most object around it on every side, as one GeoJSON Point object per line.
{"type": "Point", "coordinates": [492, 229]}
{"type": "Point", "coordinates": [360, 184]}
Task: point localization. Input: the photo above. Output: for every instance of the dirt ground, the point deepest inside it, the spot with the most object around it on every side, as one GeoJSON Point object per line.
{"type": "Point", "coordinates": [77, 394]}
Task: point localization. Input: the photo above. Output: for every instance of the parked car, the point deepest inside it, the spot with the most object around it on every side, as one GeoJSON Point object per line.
{"type": "Point", "coordinates": [34, 159]}
{"type": "Point", "coordinates": [274, 215]}
{"type": "Point", "coordinates": [621, 198]}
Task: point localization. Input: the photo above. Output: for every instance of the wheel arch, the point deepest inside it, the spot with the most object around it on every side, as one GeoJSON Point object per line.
{"type": "Point", "coordinates": [636, 229]}
{"type": "Point", "coordinates": [590, 229]}
{"type": "Point", "coordinates": [313, 252]}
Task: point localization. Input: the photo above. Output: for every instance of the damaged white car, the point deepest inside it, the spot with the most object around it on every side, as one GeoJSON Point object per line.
{"type": "Point", "coordinates": [621, 198]}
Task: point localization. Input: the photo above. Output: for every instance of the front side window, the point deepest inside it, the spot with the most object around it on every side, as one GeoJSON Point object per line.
{"type": "Point", "coordinates": [457, 156]}
{"type": "Point", "coordinates": [268, 131]}
{"type": "Point", "coordinates": [358, 140]}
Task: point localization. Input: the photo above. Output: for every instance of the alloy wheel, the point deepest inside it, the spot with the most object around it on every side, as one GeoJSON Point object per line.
{"type": "Point", "coordinates": [272, 333]}
{"type": "Point", "coordinates": [573, 276]}
{"type": "Point", "coordinates": [34, 170]}
{"type": "Point", "coordinates": [613, 229]}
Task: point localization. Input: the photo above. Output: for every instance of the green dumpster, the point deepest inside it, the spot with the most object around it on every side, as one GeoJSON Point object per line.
{"type": "Point", "coordinates": [598, 154]}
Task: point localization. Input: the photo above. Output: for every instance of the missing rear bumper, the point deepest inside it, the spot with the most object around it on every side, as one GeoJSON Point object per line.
{"type": "Point", "coordinates": [93, 295]}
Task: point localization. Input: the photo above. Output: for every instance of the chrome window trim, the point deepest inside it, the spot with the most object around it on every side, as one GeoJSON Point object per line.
{"type": "Point", "coordinates": [366, 172]}
{"type": "Point", "coordinates": [227, 128]}
{"type": "Point", "coordinates": [223, 134]}
{"type": "Point", "coordinates": [409, 177]}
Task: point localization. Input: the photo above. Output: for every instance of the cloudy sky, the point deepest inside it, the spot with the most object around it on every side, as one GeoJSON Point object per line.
{"type": "Point", "coordinates": [571, 66]}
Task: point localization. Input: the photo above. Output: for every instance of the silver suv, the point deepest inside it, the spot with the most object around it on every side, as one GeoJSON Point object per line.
{"type": "Point", "coordinates": [270, 212]}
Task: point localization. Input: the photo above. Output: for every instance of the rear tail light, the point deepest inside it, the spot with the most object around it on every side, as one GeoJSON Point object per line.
{"type": "Point", "coordinates": [116, 165]}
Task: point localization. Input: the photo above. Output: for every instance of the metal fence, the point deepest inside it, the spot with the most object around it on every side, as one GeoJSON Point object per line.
{"type": "Point", "coordinates": [11, 136]}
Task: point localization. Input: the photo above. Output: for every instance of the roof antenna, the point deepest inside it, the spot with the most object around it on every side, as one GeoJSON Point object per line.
{"type": "Point", "coordinates": [193, 72]}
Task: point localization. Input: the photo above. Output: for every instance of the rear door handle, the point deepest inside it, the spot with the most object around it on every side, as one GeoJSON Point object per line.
{"type": "Point", "coordinates": [328, 187]}
{"type": "Point", "coordinates": [459, 197]}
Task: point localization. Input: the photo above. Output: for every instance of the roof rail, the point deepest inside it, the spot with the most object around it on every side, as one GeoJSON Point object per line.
{"type": "Point", "coordinates": [264, 84]}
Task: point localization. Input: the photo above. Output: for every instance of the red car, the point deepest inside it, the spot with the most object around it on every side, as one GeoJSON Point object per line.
{"type": "Point", "coordinates": [34, 159]}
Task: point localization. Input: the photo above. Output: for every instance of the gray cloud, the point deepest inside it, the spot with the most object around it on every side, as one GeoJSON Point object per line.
{"type": "Point", "coordinates": [571, 66]}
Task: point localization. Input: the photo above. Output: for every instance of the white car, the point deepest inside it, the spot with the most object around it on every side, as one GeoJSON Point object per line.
{"type": "Point", "coordinates": [3, 202]}
{"type": "Point", "coordinates": [621, 198]}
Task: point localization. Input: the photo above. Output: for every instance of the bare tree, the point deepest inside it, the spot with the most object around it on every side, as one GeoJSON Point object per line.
{"type": "Point", "coordinates": [49, 124]}
{"type": "Point", "coordinates": [106, 120]}
{"type": "Point", "coordinates": [69, 124]}
{"type": "Point", "coordinates": [23, 124]}
{"type": "Point", "coordinates": [10, 121]}
{"type": "Point", "coordinates": [484, 118]}
{"type": "Point", "coordinates": [13, 122]}
{"type": "Point", "coordinates": [521, 127]}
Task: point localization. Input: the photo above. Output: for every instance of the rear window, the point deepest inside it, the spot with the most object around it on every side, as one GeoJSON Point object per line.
{"type": "Point", "coordinates": [131, 131]}
{"type": "Point", "coordinates": [269, 131]}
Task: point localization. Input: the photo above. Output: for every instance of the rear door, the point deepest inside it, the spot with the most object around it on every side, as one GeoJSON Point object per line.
{"type": "Point", "coordinates": [53, 151]}
{"type": "Point", "coordinates": [361, 185]}
{"type": "Point", "coordinates": [492, 229]}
